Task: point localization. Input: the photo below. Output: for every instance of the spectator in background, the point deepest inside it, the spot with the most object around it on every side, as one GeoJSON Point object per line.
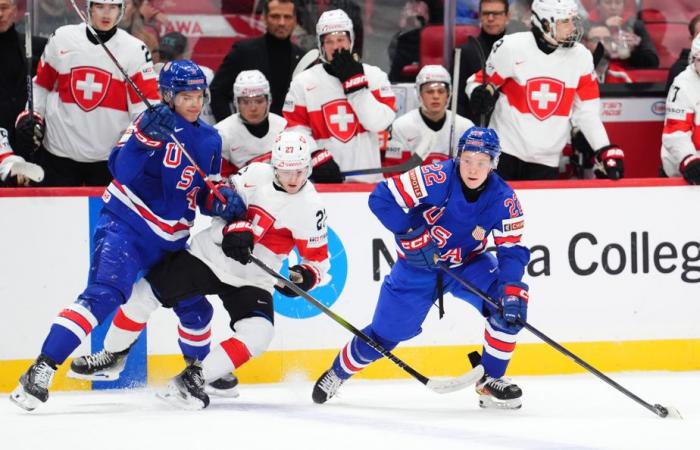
{"type": "Point", "coordinates": [404, 48]}
{"type": "Point", "coordinates": [13, 70]}
{"type": "Point", "coordinates": [634, 44]}
{"type": "Point", "coordinates": [144, 21]}
{"type": "Point", "coordinates": [309, 13]}
{"type": "Point", "coordinates": [682, 61]}
{"type": "Point", "coordinates": [607, 71]}
{"type": "Point", "coordinates": [53, 14]}
{"type": "Point", "coordinates": [493, 17]}
{"type": "Point", "coordinates": [273, 54]}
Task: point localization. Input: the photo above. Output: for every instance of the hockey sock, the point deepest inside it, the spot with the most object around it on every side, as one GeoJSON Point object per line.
{"type": "Point", "coordinates": [68, 330]}
{"type": "Point", "coordinates": [224, 358]}
{"type": "Point", "coordinates": [497, 351]}
{"type": "Point", "coordinates": [123, 332]}
{"type": "Point", "coordinates": [194, 344]}
{"type": "Point", "coordinates": [356, 355]}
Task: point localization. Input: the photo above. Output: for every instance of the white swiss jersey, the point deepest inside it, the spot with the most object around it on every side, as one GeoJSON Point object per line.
{"type": "Point", "coordinates": [84, 98]}
{"type": "Point", "coordinates": [681, 135]}
{"type": "Point", "coordinates": [280, 222]}
{"type": "Point", "coordinates": [410, 134]}
{"type": "Point", "coordinates": [239, 146]}
{"type": "Point", "coordinates": [346, 126]}
{"type": "Point", "coordinates": [539, 95]}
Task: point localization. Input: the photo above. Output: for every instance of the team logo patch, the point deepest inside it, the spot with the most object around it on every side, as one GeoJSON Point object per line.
{"type": "Point", "coordinates": [340, 119]}
{"type": "Point", "coordinates": [89, 86]}
{"type": "Point", "coordinates": [478, 233]}
{"type": "Point", "coordinates": [544, 95]}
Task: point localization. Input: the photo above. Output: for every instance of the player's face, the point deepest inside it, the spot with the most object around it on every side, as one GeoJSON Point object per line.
{"type": "Point", "coordinates": [598, 34]}
{"type": "Point", "coordinates": [189, 104]}
{"type": "Point", "coordinates": [280, 19]}
{"type": "Point", "coordinates": [474, 167]}
{"type": "Point", "coordinates": [434, 97]}
{"type": "Point", "coordinates": [253, 109]}
{"type": "Point", "coordinates": [291, 180]}
{"type": "Point", "coordinates": [493, 17]}
{"type": "Point", "coordinates": [565, 28]}
{"type": "Point", "coordinates": [333, 42]}
{"type": "Point", "coordinates": [104, 17]}
{"type": "Point", "coordinates": [8, 15]}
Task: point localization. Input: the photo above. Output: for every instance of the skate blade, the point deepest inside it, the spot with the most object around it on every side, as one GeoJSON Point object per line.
{"type": "Point", "coordinates": [98, 376]}
{"type": "Point", "coordinates": [488, 402]}
{"type": "Point", "coordinates": [174, 397]}
{"type": "Point", "coordinates": [25, 401]}
{"type": "Point", "coordinates": [225, 393]}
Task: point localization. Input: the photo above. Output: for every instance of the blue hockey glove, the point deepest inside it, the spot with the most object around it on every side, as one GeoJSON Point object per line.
{"type": "Point", "coordinates": [157, 123]}
{"type": "Point", "coordinates": [514, 298]}
{"type": "Point", "coordinates": [234, 208]}
{"type": "Point", "coordinates": [419, 248]}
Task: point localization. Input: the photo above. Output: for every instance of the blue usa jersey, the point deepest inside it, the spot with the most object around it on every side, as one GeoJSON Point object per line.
{"type": "Point", "coordinates": [156, 189]}
{"type": "Point", "coordinates": [432, 196]}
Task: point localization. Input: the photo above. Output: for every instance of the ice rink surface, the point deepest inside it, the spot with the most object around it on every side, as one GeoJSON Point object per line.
{"type": "Point", "coordinates": [575, 412]}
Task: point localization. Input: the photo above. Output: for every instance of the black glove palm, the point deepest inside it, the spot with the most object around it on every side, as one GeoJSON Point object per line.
{"type": "Point", "coordinates": [29, 132]}
{"type": "Point", "coordinates": [690, 168]}
{"type": "Point", "coordinates": [325, 169]}
{"type": "Point", "coordinates": [350, 72]}
{"type": "Point", "coordinates": [300, 275]}
{"type": "Point", "coordinates": [483, 100]}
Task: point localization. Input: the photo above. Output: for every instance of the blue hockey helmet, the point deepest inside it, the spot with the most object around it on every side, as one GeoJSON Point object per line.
{"type": "Point", "coordinates": [179, 76]}
{"type": "Point", "coordinates": [480, 140]}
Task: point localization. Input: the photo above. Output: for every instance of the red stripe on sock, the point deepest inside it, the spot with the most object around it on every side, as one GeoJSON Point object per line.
{"type": "Point", "coordinates": [194, 337]}
{"type": "Point", "coordinates": [237, 351]}
{"type": "Point", "coordinates": [346, 360]}
{"type": "Point", "coordinates": [123, 322]}
{"type": "Point", "coordinates": [498, 344]}
{"type": "Point", "coordinates": [81, 321]}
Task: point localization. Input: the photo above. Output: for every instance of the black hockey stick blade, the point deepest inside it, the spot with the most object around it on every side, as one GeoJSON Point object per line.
{"type": "Point", "coordinates": [598, 54]}
{"type": "Point", "coordinates": [439, 386]}
{"type": "Point", "coordinates": [413, 161]}
{"type": "Point", "coordinates": [659, 410]}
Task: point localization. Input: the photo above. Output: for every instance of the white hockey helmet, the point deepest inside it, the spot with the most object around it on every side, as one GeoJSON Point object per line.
{"type": "Point", "coordinates": [433, 73]}
{"type": "Point", "coordinates": [546, 14]}
{"type": "Point", "coordinates": [251, 83]}
{"type": "Point", "coordinates": [333, 21]}
{"type": "Point", "coordinates": [120, 3]}
{"type": "Point", "coordinates": [292, 151]}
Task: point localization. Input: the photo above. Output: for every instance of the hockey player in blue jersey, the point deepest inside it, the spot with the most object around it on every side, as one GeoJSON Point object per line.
{"type": "Point", "coordinates": [442, 214]}
{"type": "Point", "coordinates": [148, 210]}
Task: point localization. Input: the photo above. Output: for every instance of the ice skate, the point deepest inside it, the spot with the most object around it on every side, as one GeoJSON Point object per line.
{"type": "Point", "coordinates": [498, 393]}
{"type": "Point", "coordinates": [187, 389]}
{"type": "Point", "coordinates": [33, 388]}
{"type": "Point", "coordinates": [226, 386]}
{"type": "Point", "coordinates": [326, 386]}
{"type": "Point", "coordinates": [101, 366]}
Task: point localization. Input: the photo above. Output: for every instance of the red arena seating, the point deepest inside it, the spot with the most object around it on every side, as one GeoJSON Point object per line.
{"type": "Point", "coordinates": [669, 39]}
{"type": "Point", "coordinates": [431, 39]}
{"type": "Point", "coordinates": [668, 10]}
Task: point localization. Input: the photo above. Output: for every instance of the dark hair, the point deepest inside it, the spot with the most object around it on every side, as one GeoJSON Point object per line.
{"type": "Point", "coordinates": [691, 26]}
{"type": "Point", "coordinates": [504, 2]}
{"type": "Point", "coordinates": [266, 5]}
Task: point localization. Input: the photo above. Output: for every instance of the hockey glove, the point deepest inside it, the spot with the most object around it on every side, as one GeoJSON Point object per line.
{"type": "Point", "coordinates": [29, 132]}
{"type": "Point", "coordinates": [234, 208]}
{"type": "Point", "coordinates": [23, 173]}
{"type": "Point", "coordinates": [156, 123]}
{"type": "Point", "coordinates": [350, 72]}
{"type": "Point", "coordinates": [301, 275]}
{"type": "Point", "coordinates": [238, 241]}
{"type": "Point", "coordinates": [419, 248]}
{"type": "Point", "coordinates": [514, 298]}
{"type": "Point", "coordinates": [483, 99]}
{"type": "Point", "coordinates": [325, 169]}
{"type": "Point", "coordinates": [690, 168]}
{"type": "Point", "coordinates": [609, 162]}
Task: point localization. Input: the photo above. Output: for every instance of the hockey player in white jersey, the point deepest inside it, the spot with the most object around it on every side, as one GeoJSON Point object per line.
{"type": "Point", "coordinates": [546, 80]}
{"type": "Point", "coordinates": [680, 152]}
{"type": "Point", "coordinates": [341, 103]}
{"type": "Point", "coordinates": [14, 170]}
{"type": "Point", "coordinates": [82, 104]}
{"type": "Point", "coordinates": [284, 211]}
{"type": "Point", "coordinates": [249, 134]}
{"type": "Point", "coordinates": [427, 128]}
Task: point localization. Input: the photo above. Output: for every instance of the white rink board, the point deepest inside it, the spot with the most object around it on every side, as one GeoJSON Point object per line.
{"type": "Point", "coordinates": [46, 260]}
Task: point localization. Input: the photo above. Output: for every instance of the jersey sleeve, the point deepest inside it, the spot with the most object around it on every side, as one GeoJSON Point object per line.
{"type": "Point", "coordinates": [586, 107]}
{"type": "Point", "coordinates": [375, 106]}
{"type": "Point", "coordinates": [680, 137]}
{"type": "Point", "coordinates": [498, 68]}
{"type": "Point", "coordinates": [145, 78]}
{"type": "Point", "coordinates": [130, 155]}
{"type": "Point", "coordinates": [294, 109]}
{"type": "Point", "coordinates": [311, 240]}
{"type": "Point", "coordinates": [46, 76]}
{"type": "Point", "coordinates": [512, 255]}
{"type": "Point", "coordinates": [393, 199]}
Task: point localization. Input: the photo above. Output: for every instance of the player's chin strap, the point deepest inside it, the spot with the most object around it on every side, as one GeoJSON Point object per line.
{"type": "Point", "coordinates": [439, 386]}
{"type": "Point", "coordinates": [659, 410]}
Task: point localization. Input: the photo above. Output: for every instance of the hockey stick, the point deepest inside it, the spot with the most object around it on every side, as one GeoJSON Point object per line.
{"type": "Point", "coordinates": [482, 61]}
{"type": "Point", "coordinates": [28, 56]}
{"type": "Point", "coordinates": [148, 104]}
{"type": "Point", "coordinates": [453, 111]}
{"type": "Point", "coordinates": [305, 62]}
{"type": "Point", "coordinates": [438, 386]}
{"type": "Point", "coordinates": [659, 410]}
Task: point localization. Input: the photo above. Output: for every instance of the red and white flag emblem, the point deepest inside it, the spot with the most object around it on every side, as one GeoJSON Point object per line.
{"type": "Point", "coordinates": [340, 119]}
{"type": "Point", "coordinates": [544, 95]}
{"type": "Point", "coordinates": [89, 86]}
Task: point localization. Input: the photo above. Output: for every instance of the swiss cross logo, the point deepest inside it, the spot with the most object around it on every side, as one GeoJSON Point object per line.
{"type": "Point", "coordinates": [340, 119]}
{"type": "Point", "coordinates": [89, 86]}
{"type": "Point", "coordinates": [544, 95]}
{"type": "Point", "coordinates": [260, 221]}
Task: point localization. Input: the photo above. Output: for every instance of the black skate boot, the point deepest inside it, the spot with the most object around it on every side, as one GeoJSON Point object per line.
{"type": "Point", "coordinates": [101, 366]}
{"type": "Point", "coordinates": [33, 388]}
{"type": "Point", "coordinates": [226, 386]}
{"type": "Point", "coordinates": [498, 393]}
{"type": "Point", "coordinates": [187, 389]}
{"type": "Point", "coordinates": [326, 386]}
